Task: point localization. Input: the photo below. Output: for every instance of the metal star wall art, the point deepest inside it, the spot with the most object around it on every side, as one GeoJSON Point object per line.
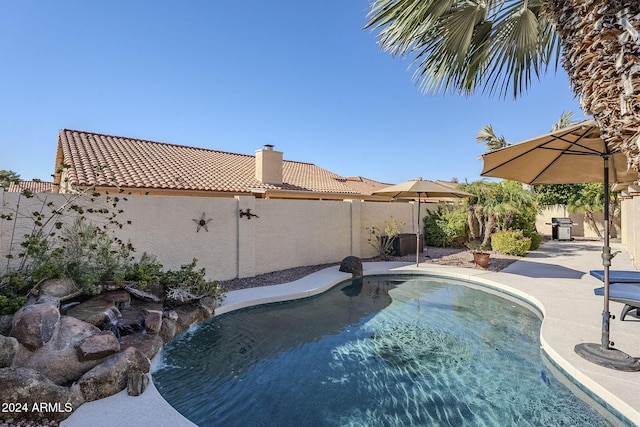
{"type": "Point", "coordinates": [202, 223]}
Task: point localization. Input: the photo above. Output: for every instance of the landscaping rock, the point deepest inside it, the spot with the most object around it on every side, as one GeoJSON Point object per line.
{"type": "Point", "coordinates": [8, 349]}
{"type": "Point", "coordinates": [208, 304]}
{"type": "Point", "coordinates": [168, 330]}
{"type": "Point", "coordinates": [39, 398]}
{"type": "Point", "coordinates": [58, 359]}
{"type": "Point", "coordinates": [62, 289]}
{"type": "Point", "coordinates": [137, 383]}
{"type": "Point", "coordinates": [119, 298]}
{"type": "Point", "coordinates": [353, 265]}
{"type": "Point", "coordinates": [97, 346]}
{"type": "Point", "coordinates": [153, 292]}
{"type": "Point", "coordinates": [112, 375]}
{"type": "Point", "coordinates": [153, 321]}
{"type": "Point", "coordinates": [94, 311]}
{"type": "Point", "coordinates": [6, 322]}
{"type": "Point", "coordinates": [131, 321]}
{"type": "Point", "coordinates": [34, 325]}
{"type": "Point", "coordinates": [187, 316]}
{"type": "Point", "coordinates": [149, 345]}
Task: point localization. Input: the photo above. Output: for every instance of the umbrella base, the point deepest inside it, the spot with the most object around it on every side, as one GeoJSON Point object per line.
{"type": "Point", "coordinates": [609, 358]}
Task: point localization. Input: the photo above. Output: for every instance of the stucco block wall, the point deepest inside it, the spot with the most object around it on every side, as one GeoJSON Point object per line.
{"type": "Point", "coordinates": [375, 214]}
{"type": "Point", "coordinates": [286, 233]}
{"type": "Point", "coordinates": [580, 228]}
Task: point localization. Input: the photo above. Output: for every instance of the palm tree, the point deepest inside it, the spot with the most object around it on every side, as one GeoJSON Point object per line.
{"type": "Point", "coordinates": [500, 45]}
{"type": "Point", "coordinates": [564, 121]}
{"type": "Point", "coordinates": [487, 136]}
{"type": "Point", "coordinates": [494, 206]}
{"type": "Point", "coordinates": [588, 200]}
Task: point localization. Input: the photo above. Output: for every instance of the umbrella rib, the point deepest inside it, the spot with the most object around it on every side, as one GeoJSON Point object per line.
{"type": "Point", "coordinates": [567, 150]}
{"type": "Point", "coordinates": [573, 148]}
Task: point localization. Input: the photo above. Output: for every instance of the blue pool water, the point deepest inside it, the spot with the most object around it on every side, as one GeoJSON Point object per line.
{"type": "Point", "coordinates": [378, 351]}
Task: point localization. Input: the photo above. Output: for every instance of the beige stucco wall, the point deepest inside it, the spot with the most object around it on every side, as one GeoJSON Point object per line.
{"type": "Point", "coordinates": [580, 228]}
{"type": "Point", "coordinates": [630, 235]}
{"type": "Point", "coordinates": [286, 233]}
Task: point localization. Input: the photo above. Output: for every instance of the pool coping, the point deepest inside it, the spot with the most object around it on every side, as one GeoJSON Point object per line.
{"type": "Point", "coordinates": [614, 388]}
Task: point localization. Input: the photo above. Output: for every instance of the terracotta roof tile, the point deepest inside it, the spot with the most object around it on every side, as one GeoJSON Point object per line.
{"type": "Point", "coordinates": [364, 185]}
{"type": "Point", "coordinates": [106, 160]}
{"type": "Point", "coordinates": [34, 186]}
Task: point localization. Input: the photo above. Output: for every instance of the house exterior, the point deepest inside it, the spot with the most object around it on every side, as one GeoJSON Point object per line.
{"type": "Point", "coordinates": [108, 163]}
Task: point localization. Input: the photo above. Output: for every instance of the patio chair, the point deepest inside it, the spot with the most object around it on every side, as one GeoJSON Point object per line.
{"type": "Point", "coordinates": [624, 287]}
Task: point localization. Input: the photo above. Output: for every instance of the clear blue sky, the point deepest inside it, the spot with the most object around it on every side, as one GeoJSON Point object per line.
{"type": "Point", "coordinates": [233, 76]}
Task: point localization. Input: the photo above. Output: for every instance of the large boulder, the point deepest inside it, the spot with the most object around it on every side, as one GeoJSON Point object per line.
{"type": "Point", "coordinates": [208, 305]}
{"type": "Point", "coordinates": [58, 359]}
{"type": "Point", "coordinates": [111, 376]}
{"type": "Point", "coordinates": [34, 397]}
{"type": "Point", "coordinates": [149, 345]}
{"type": "Point", "coordinates": [153, 321]}
{"type": "Point", "coordinates": [188, 314]}
{"type": "Point", "coordinates": [120, 298]}
{"type": "Point", "coordinates": [34, 325]}
{"type": "Point", "coordinates": [8, 349]}
{"type": "Point", "coordinates": [168, 330]}
{"type": "Point", "coordinates": [353, 265]}
{"type": "Point", "coordinates": [62, 289]}
{"type": "Point", "coordinates": [95, 311]}
{"type": "Point", "coordinates": [97, 346]}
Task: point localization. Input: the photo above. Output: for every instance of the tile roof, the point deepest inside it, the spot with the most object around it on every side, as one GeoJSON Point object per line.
{"type": "Point", "coordinates": [105, 160]}
{"type": "Point", "coordinates": [364, 185]}
{"type": "Point", "coordinates": [34, 186]}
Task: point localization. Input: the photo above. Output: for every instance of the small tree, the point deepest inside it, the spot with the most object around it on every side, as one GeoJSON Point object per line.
{"type": "Point", "coordinates": [7, 177]}
{"type": "Point", "coordinates": [382, 239]}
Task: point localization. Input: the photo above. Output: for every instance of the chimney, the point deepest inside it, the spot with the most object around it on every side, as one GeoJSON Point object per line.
{"type": "Point", "coordinates": [269, 165]}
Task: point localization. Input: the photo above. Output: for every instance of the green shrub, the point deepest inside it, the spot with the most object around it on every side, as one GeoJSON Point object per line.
{"type": "Point", "coordinates": [536, 239]}
{"type": "Point", "coordinates": [145, 271]}
{"type": "Point", "coordinates": [189, 283]}
{"type": "Point", "coordinates": [444, 227]}
{"type": "Point", "coordinates": [511, 242]}
{"type": "Point", "coordinates": [55, 248]}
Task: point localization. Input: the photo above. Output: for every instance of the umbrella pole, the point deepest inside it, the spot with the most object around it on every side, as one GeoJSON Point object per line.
{"type": "Point", "coordinates": [606, 260]}
{"type": "Point", "coordinates": [604, 354]}
{"type": "Point", "coordinates": [418, 233]}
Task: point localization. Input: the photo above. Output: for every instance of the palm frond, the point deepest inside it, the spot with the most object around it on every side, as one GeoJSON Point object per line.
{"type": "Point", "coordinates": [462, 45]}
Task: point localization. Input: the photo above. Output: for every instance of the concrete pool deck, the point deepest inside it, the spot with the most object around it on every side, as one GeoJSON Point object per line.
{"type": "Point", "coordinates": [555, 278]}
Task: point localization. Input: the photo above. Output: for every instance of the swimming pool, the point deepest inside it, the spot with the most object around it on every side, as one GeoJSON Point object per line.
{"type": "Point", "coordinates": [380, 350]}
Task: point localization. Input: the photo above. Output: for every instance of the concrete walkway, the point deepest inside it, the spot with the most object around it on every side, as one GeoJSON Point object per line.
{"type": "Point", "coordinates": [554, 278]}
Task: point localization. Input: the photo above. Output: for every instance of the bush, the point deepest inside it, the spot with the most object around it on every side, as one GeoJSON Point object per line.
{"type": "Point", "coordinates": [536, 239]}
{"type": "Point", "coordinates": [382, 239]}
{"type": "Point", "coordinates": [444, 227]}
{"type": "Point", "coordinates": [189, 283]}
{"type": "Point", "coordinates": [511, 242]}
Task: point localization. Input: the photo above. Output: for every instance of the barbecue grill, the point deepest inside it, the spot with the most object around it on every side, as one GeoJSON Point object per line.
{"type": "Point", "coordinates": [561, 228]}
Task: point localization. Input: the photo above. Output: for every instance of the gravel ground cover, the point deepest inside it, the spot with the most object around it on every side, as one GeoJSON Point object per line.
{"type": "Point", "coordinates": [444, 256]}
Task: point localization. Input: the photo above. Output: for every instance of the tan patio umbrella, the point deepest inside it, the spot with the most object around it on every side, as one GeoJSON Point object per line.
{"type": "Point", "coordinates": [417, 188]}
{"type": "Point", "coordinates": [575, 154]}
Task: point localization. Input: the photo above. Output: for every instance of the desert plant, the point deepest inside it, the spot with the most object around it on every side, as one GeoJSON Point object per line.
{"type": "Point", "coordinates": [56, 246]}
{"type": "Point", "coordinates": [511, 242]}
{"type": "Point", "coordinates": [145, 271]}
{"type": "Point", "coordinates": [445, 227]}
{"type": "Point", "coordinates": [477, 247]}
{"type": "Point", "coordinates": [382, 239]}
{"type": "Point", "coordinates": [189, 283]}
